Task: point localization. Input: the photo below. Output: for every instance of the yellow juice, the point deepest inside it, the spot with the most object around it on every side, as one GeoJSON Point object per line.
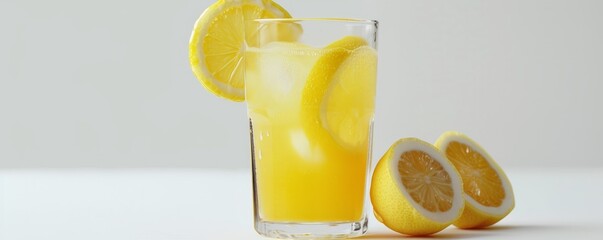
{"type": "Point", "coordinates": [310, 162]}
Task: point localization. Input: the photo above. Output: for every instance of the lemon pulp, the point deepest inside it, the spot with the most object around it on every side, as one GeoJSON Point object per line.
{"type": "Point", "coordinates": [480, 181]}
{"type": "Point", "coordinates": [426, 181]}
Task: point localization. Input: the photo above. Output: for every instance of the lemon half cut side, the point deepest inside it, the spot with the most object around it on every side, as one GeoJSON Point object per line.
{"type": "Point", "coordinates": [488, 192]}
{"type": "Point", "coordinates": [415, 190]}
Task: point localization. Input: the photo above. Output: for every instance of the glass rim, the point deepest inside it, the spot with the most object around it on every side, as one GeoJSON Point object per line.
{"type": "Point", "coordinates": [295, 20]}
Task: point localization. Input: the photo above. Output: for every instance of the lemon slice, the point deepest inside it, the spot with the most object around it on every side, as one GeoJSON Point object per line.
{"type": "Point", "coordinates": [217, 43]}
{"type": "Point", "coordinates": [349, 103]}
{"type": "Point", "coordinates": [488, 192]}
{"type": "Point", "coordinates": [415, 190]}
{"type": "Point", "coordinates": [334, 99]}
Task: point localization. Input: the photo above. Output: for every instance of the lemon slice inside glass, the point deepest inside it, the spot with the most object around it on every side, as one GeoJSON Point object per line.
{"type": "Point", "coordinates": [348, 106]}
{"type": "Point", "coordinates": [338, 97]}
{"type": "Point", "coordinates": [217, 43]}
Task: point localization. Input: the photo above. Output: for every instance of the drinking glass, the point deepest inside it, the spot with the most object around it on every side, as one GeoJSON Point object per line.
{"type": "Point", "coordinates": [310, 92]}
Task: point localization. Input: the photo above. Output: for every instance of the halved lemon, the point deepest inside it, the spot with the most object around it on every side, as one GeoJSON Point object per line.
{"type": "Point", "coordinates": [338, 97]}
{"type": "Point", "coordinates": [488, 192]}
{"type": "Point", "coordinates": [217, 43]}
{"type": "Point", "coordinates": [415, 190]}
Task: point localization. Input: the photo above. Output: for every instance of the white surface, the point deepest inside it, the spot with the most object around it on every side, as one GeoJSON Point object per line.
{"type": "Point", "coordinates": [177, 204]}
{"type": "Point", "coordinates": [108, 84]}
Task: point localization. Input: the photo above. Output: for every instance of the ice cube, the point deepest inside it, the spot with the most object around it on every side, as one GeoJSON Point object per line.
{"type": "Point", "coordinates": [308, 150]}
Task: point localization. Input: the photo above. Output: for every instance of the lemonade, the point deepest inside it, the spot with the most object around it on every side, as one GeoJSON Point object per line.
{"type": "Point", "coordinates": [311, 112]}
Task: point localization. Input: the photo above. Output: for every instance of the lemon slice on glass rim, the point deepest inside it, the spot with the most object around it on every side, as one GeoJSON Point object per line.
{"type": "Point", "coordinates": [217, 43]}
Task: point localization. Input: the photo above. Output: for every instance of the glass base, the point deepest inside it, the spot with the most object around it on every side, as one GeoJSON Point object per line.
{"type": "Point", "coordinates": [295, 230]}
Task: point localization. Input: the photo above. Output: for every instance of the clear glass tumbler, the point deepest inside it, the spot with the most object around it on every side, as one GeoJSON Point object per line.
{"type": "Point", "coordinates": [310, 92]}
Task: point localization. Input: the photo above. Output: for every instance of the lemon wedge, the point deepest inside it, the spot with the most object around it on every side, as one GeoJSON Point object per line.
{"type": "Point", "coordinates": [217, 43]}
{"type": "Point", "coordinates": [415, 190]}
{"type": "Point", "coordinates": [488, 192]}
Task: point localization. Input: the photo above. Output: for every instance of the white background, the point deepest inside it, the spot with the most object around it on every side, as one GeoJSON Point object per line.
{"type": "Point", "coordinates": [107, 83]}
